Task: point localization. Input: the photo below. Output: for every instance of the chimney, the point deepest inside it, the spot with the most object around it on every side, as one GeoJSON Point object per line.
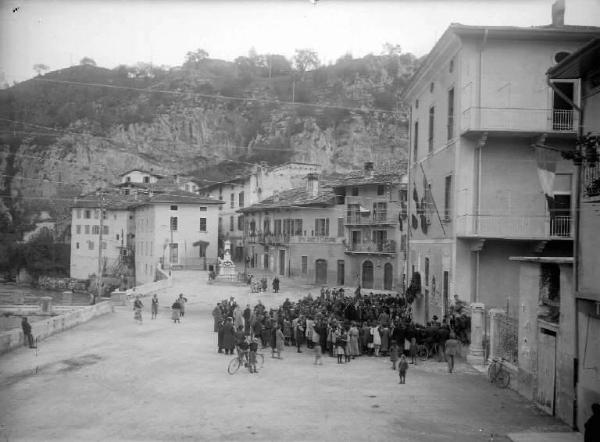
{"type": "Point", "coordinates": [369, 168]}
{"type": "Point", "coordinates": [312, 184]}
{"type": "Point", "coordinates": [558, 13]}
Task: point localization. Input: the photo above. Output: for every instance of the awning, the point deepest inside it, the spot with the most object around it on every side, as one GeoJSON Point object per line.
{"type": "Point", "coordinates": [201, 243]}
{"type": "Point", "coordinates": [363, 210]}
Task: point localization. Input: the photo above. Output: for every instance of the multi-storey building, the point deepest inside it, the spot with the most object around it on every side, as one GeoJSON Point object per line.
{"type": "Point", "coordinates": [479, 192]}
{"type": "Point", "coordinates": [582, 68]}
{"type": "Point", "coordinates": [117, 235]}
{"type": "Point", "coordinates": [244, 190]}
{"type": "Point", "coordinates": [296, 233]}
{"type": "Point", "coordinates": [374, 223]}
{"type": "Point", "coordinates": [174, 230]}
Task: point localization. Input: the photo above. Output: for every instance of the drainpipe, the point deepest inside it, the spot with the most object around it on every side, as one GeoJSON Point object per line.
{"type": "Point", "coordinates": [408, 198]}
{"type": "Point", "coordinates": [576, 240]}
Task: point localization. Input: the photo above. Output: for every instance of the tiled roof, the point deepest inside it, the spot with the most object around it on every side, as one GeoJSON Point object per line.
{"type": "Point", "coordinates": [297, 197]}
{"type": "Point", "coordinates": [180, 197]}
{"type": "Point", "coordinates": [385, 174]}
{"type": "Point", "coordinates": [143, 171]}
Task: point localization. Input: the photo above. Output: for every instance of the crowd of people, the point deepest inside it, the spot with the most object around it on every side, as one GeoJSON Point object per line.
{"type": "Point", "coordinates": [345, 326]}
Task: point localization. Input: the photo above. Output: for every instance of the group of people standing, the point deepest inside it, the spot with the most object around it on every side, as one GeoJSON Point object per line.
{"type": "Point", "coordinates": [177, 308]}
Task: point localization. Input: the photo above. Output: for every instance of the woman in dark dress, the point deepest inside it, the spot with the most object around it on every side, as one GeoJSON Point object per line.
{"type": "Point", "coordinates": [228, 336]}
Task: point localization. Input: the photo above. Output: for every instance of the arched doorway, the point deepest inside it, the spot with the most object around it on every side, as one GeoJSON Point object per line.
{"type": "Point", "coordinates": [367, 275]}
{"type": "Point", "coordinates": [321, 271]}
{"type": "Point", "coordinates": [388, 276]}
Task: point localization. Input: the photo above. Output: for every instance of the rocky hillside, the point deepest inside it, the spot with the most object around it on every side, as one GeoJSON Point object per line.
{"type": "Point", "coordinates": [76, 129]}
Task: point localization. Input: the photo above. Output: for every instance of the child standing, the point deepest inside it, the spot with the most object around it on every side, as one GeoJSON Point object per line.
{"type": "Point", "coordinates": [154, 306]}
{"type": "Point", "coordinates": [253, 348]}
{"type": "Point", "coordinates": [394, 354]}
{"type": "Point", "coordinates": [413, 350]}
{"type": "Point", "coordinates": [339, 348]}
{"type": "Point", "coordinates": [402, 367]}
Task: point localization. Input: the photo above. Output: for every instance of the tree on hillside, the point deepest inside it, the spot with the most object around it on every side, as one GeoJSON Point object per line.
{"type": "Point", "coordinates": [87, 61]}
{"type": "Point", "coordinates": [391, 49]}
{"type": "Point", "coordinates": [276, 64]}
{"type": "Point", "coordinates": [195, 58]}
{"type": "Point", "coordinates": [40, 68]}
{"type": "Point", "coordinates": [306, 59]}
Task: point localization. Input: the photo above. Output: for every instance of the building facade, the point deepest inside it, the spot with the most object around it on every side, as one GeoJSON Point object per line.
{"type": "Point", "coordinates": [243, 191]}
{"type": "Point", "coordinates": [478, 191]}
{"type": "Point", "coordinates": [583, 66]}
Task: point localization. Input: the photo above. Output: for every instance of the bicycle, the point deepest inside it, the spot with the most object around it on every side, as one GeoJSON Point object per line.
{"type": "Point", "coordinates": [236, 363]}
{"type": "Point", "coordinates": [497, 374]}
{"type": "Point", "coordinates": [422, 352]}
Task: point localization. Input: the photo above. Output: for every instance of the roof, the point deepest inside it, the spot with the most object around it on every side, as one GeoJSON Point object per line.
{"type": "Point", "coordinates": [579, 63]}
{"type": "Point", "coordinates": [143, 171]}
{"type": "Point", "coordinates": [543, 259]}
{"type": "Point", "coordinates": [386, 174]}
{"type": "Point", "coordinates": [115, 200]}
{"type": "Point", "coordinates": [546, 32]}
{"type": "Point", "coordinates": [294, 198]}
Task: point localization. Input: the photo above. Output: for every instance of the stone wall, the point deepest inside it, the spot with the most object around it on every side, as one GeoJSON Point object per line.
{"type": "Point", "coordinates": [55, 324]}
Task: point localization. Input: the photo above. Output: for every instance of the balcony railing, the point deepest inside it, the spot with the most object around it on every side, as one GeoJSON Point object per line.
{"type": "Point", "coordinates": [315, 239]}
{"type": "Point", "coordinates": [517, 227]}
{"type": "Point", "coordinates": [369, 218]}
{"type": "Point", "coordinates": [372, 247]}
{"type": "Point", "coordinates": [519, 120]}
{"type": "Point", "coordinates": [591, 180]}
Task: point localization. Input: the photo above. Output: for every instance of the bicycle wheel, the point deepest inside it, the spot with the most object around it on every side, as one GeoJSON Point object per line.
{"type": "Point", "coordinates": [260, 360]}
{"type": "Point", "coordinates": [423, 353]}
{"type": "Point", "coordinates": [233, 366]}
{"type": "Point", "coordinates": [502, 378]}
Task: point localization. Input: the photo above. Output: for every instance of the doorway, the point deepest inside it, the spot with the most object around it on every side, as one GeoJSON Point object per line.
{"type": "Point", "coordinates": [282, 262]}
{"type": "Point", "coordinates": [562, 110]}
{"type": "Point", "coordinates": [341, 268]}
{"type": "Point", "coordinates": [546, 381]}
{"type": "Point", "coordinates": [388, 276]}
{"type": "Point", "coordinates": [321, 271]}
{"type": "Point", "coordinates": [367, 275]}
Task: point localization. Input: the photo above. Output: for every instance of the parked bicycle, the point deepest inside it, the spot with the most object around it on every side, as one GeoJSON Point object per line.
{"type": "Point", "coordinates": [237, 362]}
{"type": "Point", "coordinates": [498, 374]}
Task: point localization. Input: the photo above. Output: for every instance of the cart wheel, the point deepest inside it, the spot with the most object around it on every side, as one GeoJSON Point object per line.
{"type": "Point", "coordinates": [234, 366]}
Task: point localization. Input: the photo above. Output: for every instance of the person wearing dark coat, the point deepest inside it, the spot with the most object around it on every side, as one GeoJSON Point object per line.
{"type": "Point", "coordinates": [28, 337]}
{"type": "Point", "coordinates": [592, 426]}
{"type": "Point", "coordinates": [217, 316]}
{"type": "Point", "coordinates": [220, 326]}
{"type": "Point", "coordinates": [247, 315]}
{"type": "Point", "coordinates": [228, 336]}
{"type": "Point", "coordinates": [276, 284]}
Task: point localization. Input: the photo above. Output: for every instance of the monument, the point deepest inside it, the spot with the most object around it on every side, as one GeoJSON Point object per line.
{"type": "Point", "coordinates": [227, 268]}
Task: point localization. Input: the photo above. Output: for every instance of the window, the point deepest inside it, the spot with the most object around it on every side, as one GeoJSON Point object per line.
{"type": "Point", "coordinates": [105, 230]}
{"type": "Point", "coordinates": [340, 227]}
{"type": "Point", "coordinates": [380, 189]}
{"type": "Point", "coordinates": [355, 191]}
{"type": "Point", "coordinates": [241, 199]}
{"type": "Point", "coordinates": [298, 227]}
{"type": "Point", "coordinates": [277, 227]}
{"type": "Point", "coordinates": [304, 265]}
{"type": "Point", "coordinates": [231, 223]}
{"type": "Point", "coordinates": [87, 214]}
{"type": "Point", "coordinates": [379, 212]}
{"type": "Point", "coordinates": [431, 86]}
{"type": "Point", "coordinates": [87, 230]}
{"type": "Point", "coordinates": [266, 226]}
{"type": "Point", "coordinates": [126, 191]}
{"type": "Point", "coordinates": [415, 140]}
{"type": "Point", "coordinates": [128, 179]}
{"type": "Point", "coordinates": [173, 207]}
{"type": "Point", "coordinates": [77, 245]}
{"type": "Point", "coordinates": [96, 214]}
{"type": "Point", "coordinates": [104, 245]}
{"type": "Point", "coordinates": [78, 213]}
{"type": "Point", "coordinates": [220, 226]}
{"type": "Point", "coordinates": [232, 200]}
{"type": "Point", "coordinates": [203, 224]}
{"type": "Point", "coordinates": [173, 223]}
{"type": "Point", "coordinates": [90, 245]}
{"type": "Point", "coordinates": [448, 198]}
{"type": "Point", "coordinates": [431, 122]}
{"type": "Point", "coordinates": [117, 236]}
{"type": "Point", "coordinates": [146, 179]}
{"type": "Point", "coordinates": [426, 271]}
{"type": "Point", "coordinates": [95, 230]}
{"type": "Point", "coordinates": [450, 114]}
{"type": "Point", "coordinates": [240, 223]}
{"type": "Point", "coordinates": [202, 209]}
{"type": "Point", "coordinates": [416, 104]}
{"type": "Point", "coordinates": [78, 229]}
{"type": "Point", "coordinates": [451, 66]}
{"type": "Point", "coordinates": [322, 227]}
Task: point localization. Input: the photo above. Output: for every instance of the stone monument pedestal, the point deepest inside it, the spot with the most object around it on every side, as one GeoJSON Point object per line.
{"type": "Point", "coordinates": [46, 305]}
{"type": "Point", "coordinates": [476, 354]}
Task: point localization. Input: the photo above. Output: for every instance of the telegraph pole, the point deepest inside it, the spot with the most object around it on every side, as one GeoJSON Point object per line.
{"type": "Point", "coordinates": [100, 266]}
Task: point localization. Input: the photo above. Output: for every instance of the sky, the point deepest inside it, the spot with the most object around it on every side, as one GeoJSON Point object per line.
{"type": "Point", "coordinates": [59, 33]}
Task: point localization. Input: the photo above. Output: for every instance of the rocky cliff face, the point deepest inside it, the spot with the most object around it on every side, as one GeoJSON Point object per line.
{"type": "Point", "coordinates": [43, 167]}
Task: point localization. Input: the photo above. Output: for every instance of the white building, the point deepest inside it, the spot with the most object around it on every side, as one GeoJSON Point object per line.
{"type": "Point", "coordinates": [175, 230]}
{"type": "Point", "coordinates": [140, 176]}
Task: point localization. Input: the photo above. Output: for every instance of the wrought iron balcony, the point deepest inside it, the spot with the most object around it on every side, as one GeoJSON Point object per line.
{"type": "Point", "coordinates": [591, 181]}
{"type": "Point", "coordinates": [519, 120]}
{"type": "Point", "coordinates": [369, 218]}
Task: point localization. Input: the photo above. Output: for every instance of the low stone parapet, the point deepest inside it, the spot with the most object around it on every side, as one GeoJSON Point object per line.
{"type": "Point", "coordinates": [55, 324]}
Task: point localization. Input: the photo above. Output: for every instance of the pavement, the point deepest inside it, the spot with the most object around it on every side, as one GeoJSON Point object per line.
{"type": "Point", "coordinates": [113, 379]}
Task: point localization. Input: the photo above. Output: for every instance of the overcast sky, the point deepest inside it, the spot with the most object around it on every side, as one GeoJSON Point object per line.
{"type": "Point", "coordinates": [59, 33]}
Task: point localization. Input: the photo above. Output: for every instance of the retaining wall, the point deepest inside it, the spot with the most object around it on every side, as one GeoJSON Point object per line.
{"type": "Point", "coordinates": [55, 324]}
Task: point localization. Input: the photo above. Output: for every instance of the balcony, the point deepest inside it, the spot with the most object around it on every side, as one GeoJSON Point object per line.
{"type": "Point", "coordinates": [274, 240]}
{"type": "Point", "coordinates": [298, 239]}
{"type": "Point", "coordinates": [591, 182]}
{"type": "Point", "coordinates": [515, 227]}
{"type": "Point", "coordinates": [373, 248]}
{"type": "Point", "coordinates": [528, 121]}
{"type": "Point", "coordinates": [370, 219]}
